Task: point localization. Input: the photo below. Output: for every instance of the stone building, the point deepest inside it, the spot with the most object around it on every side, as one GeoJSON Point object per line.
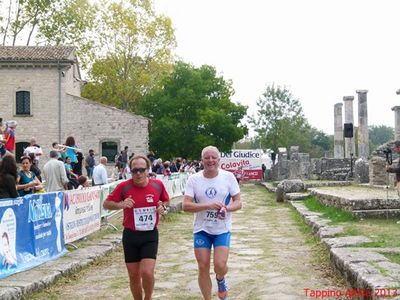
{"type": "Point", "coordinates": [40, 89]}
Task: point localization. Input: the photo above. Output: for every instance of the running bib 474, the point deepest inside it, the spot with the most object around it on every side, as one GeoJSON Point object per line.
{"type": "Point", "coordinates": [145, 218]}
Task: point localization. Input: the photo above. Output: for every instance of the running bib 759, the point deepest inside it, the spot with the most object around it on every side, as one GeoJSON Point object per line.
{"type": "Point", "coordinates": [145, 218]}
{"type": "Point", "coordinates": [211, 216]}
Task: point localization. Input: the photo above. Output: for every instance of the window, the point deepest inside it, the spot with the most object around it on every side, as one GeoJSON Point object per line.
{"type": "Point", "coordinates": [23, 103]}
{"type": "Point", "coordinates": [19, 150]}
{"type": "Point", "coordinates": [109, 150]}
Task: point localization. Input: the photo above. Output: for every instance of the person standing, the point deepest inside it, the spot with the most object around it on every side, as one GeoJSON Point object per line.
{"type": "Point", "coordinates": [60, 149]}
{"type": "Point", "coordinates": [124, 157]}
{"type": "Point", "coordinates": [27, 182]}
{"type": "Point", "coordinates": [89, 163]}
{"type": "Point", "coordinates": [9, 136]}
{"type": "Point", "coordinates": [143, 199]}
{"type": "Point", "coordinates": [35, 149]}
{"type": "Point", "coordinates": [54, 174]}
{"type": "Point", "coordinates": [100, 172]}
{"type": "Point", "coordinates": [71, 150]}
{"type": "Point", "coordinates": [72, 177]}
{"type": "Point", "coordinates": [396, 169]}
{"type": "Point", "coordinates": [78, 166]}
{"type": "Point", "coordinates": [8, 177]}
{"type": "Point", "coordinates": [212, 195]}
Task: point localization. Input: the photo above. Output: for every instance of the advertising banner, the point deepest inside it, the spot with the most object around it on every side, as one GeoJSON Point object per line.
{"type": "Point", "coordinates": [244, 164]}
{"type": "Point", "coordinates": [105, 190]}
{"type": "Point", "coordinates": [81, 213]}
{"type": "Point", "coordinates": [174, 184]}
{"type": "Point", "coordinates": [31, 231]}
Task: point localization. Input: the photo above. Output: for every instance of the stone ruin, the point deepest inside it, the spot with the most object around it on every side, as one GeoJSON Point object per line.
{"type": "Point", "coordinates": [299, 166]}
{"type": "Point", "coordinates": [377, 171]}
{"type": "Point", "coordinates": [341, 164]}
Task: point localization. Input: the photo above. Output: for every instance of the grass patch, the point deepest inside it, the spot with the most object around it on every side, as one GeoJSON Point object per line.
{"type": "Point", "coordinates": [335, 215]}
{"type": "Point", "coordinates": [379, 268]}
{"type": "Point", "coordinates": [350, 230]}
{"type": "Point", "coordinates": [321, 254]}
{"type": "Point", "coordinates": [392, 257]}
{"type": "Point", "coordinates": [303, 227]}
{"type": "Point", "coordinates": [383, 233]}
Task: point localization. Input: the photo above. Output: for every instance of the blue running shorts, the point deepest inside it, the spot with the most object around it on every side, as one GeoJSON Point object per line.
{"type": "Point", "coordinates": [203, 239]}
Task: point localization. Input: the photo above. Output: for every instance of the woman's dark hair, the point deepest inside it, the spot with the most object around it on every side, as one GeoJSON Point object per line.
{"type": "Point", "coordinates": [82, 179]}
{"type": "Point", "coordinates": [8, 166]}
{"type": "Point", "coordinates": [26, 157]}
{"type": "Point", "coordinates": [70, 141]}
{"type": "Point", "coordinates": [32, 156]}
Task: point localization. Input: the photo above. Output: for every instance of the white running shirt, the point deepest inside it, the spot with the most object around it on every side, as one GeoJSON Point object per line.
{"type": "Point", "coordinates": [203, 190]}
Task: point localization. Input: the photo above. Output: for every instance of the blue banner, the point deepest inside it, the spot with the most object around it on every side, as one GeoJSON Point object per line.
{"type": "Point", "coordinates": [31, 231]}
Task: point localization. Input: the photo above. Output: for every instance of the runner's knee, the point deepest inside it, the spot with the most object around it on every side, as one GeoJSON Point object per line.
{"type": "Point", "coordinates": [220, 267]}
{"type": "Point", "coordinates": [147, 274]}
{"type": "Point", "coordinates": [204, 266]}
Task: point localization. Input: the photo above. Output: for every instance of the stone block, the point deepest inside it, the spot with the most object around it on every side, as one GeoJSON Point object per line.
{"type": "Point", "coordinates": [329, 231]}
{"type": "Point", "coordinates": [288, 186]}
{"type": "Point", "coordinates": [361, 170]}
{"type": "Point", "coordinates": [346, 241]}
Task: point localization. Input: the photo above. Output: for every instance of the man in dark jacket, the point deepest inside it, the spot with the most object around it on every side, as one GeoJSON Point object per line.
{"type": "Point", "coordinates": [396, 169]}
{"type": "Point", "coordinates": [90, 163]}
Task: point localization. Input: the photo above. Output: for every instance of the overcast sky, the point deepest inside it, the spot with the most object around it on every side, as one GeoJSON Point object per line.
{"type": "Point", "coordinates": [320, 50]}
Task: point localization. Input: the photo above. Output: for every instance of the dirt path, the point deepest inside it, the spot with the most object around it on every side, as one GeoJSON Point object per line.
{"type": "Point", "coordinates": [271, 258]}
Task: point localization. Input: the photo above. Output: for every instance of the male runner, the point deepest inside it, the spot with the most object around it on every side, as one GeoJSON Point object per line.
{"type": "Point", "coordinates": [212, 194]}
{"type": "Point", "coordinates": [143, 200]}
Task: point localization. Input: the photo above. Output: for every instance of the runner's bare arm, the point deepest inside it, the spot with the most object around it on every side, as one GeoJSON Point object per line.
{"type": "Point", "coordinates": [127, 203]}
{"type": "Point", "coordinates": [236, 203]}
{"type": "Point", "coordinates": [190, 206]}
{"type": "Point", "coordinates": [162, 207]}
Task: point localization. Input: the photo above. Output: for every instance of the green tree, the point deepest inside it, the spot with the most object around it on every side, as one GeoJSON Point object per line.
{"type": "Point", "coordinates": [20, 17]}
{"type": "Point", "coordinates": [52, 22]}
{"type": "Point", "coordinates": [320, 142]}
{"type": "Point", "coordinates": [247, 143]}
{"type": "Point", "coordinates": [71, 22]}
{"type": "Point", "coordinates": [279, 121]}
{"type": "Point", "coordinates": [134, 53]}
{"type": "Point", "coordinates": [192, 110]}
{"type": "Point", "coordinates": [379, 135]}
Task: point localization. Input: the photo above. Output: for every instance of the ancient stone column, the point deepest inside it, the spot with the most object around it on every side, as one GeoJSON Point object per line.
{"type": "Point", "coordinates": [338, 138]}
{"type": "Point", "coordinates": [349, 144]}
{"type": "Point", "coordinates": [396, 110]}
{"type": "Point", "coordinates": [362, 137]}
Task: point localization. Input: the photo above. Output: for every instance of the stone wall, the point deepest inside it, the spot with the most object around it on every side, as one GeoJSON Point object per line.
{"type": "Point", "coordinates": [43, 86]}
{"type": "Point", "coordinates": [377, 172]}
{"type": "Point", "coordinates": [332, 168]}
{"type": "Point", "coordinates": [361, 170]}
{"type": "Point", "coordinates": [296, 167]}
{"type": "Point", "coordinates": [377, 163]}
{"type": "Point", "coordinates": [105, 124]}
{"type": "Point", "coordinates": [89, 122]}
{"type": "Point", "coordinates": [299, 164]}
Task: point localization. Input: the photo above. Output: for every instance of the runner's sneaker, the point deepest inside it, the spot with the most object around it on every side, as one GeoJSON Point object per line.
{"type": "Point", "coordinates": [222, 289]}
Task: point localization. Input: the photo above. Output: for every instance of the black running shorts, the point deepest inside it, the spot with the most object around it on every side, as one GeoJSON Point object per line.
{"type": "Point", "coordinates": [139, 244]}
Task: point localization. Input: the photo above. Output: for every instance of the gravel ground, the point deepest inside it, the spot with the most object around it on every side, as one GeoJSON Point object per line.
{"type": "Point", "coordinates": [271, 257]}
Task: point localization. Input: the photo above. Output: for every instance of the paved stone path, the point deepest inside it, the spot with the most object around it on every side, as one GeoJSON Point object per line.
{"type": "Point", "coordinates": [270, 259]}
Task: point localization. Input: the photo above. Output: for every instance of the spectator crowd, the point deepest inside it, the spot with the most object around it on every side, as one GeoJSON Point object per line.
{"type": "Point", "coordinates": [63, 170]}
